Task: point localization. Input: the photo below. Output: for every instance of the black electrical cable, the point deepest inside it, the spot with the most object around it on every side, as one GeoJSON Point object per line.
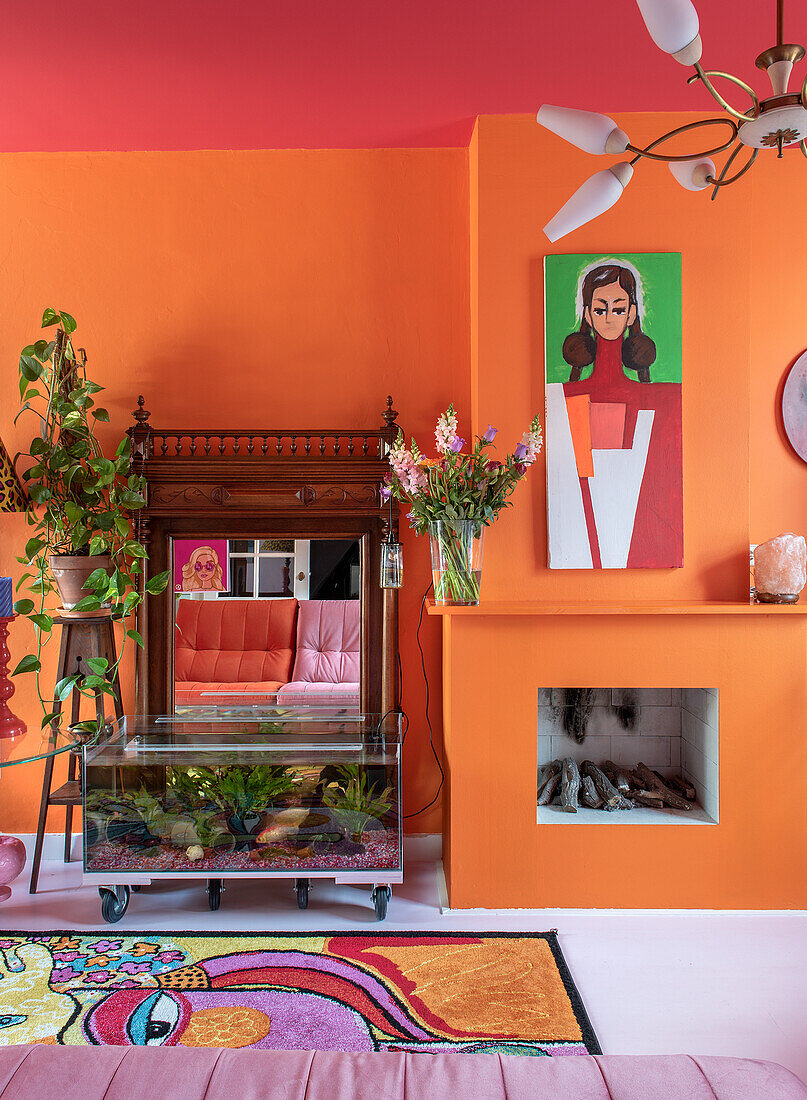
{"type": "Point", "coordinates": [429, 805]}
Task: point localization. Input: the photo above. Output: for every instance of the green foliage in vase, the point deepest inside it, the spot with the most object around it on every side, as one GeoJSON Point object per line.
{"type": "Point", "coordinates": [354, 800]}
{"type": "Point", "coordinates": [80, 502]}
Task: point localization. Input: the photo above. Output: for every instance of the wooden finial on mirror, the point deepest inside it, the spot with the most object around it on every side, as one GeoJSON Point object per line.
{"type": "Point", "coordinates": [141, 414]}
{"type": "Point", "coordinates": [390, 414]}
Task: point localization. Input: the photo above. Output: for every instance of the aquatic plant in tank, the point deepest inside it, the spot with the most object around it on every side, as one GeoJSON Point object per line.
{"type": "Point", "coordinates": [355, 801]}
{"type": "Point", "coordinates": [243, 794]}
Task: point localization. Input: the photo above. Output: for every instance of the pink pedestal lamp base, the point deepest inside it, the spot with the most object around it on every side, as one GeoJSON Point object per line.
{"type": "Point", "coordinates": [10, 725]}
{"type": "Point", "coordinates": [12, 861]}
{"type": "Point", "coordinates": [12, 850]}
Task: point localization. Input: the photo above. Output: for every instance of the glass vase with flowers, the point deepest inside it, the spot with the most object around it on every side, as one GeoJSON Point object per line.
{"type": "Point", "coordinates": [455, 496]}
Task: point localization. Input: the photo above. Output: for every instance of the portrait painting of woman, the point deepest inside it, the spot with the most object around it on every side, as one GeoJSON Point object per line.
{"type": "Point", "coordinates": [613, 423]}
{"type": "Point", "coordinates": [198, 567]}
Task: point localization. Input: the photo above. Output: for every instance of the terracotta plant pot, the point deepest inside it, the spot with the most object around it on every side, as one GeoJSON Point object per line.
{"type": "Point", "coordinates": [70, 571]}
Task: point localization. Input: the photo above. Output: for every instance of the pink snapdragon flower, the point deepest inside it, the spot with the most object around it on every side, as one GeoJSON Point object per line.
{"type": "Point", "coordinates": [446, 431]}
{"type": "Point", "coordinates": [411, 477]}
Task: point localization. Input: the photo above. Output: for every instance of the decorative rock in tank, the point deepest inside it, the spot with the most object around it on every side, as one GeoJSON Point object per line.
{"type": "Point", "coordinates": [780, 569]}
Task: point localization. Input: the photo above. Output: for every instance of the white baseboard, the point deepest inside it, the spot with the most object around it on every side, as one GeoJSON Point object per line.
{"type": "Point", "coordinates": [423, 847]}
{"type": "Point", "coordinates": [52, 845]}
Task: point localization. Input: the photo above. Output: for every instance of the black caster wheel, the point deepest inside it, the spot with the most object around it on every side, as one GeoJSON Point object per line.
{"type": "Point", "coordinates": [381, 896]}
{"type": "Point", "coordinates": [214, 893]}
{"type": "Point", "coordinates": [301, 888]}
{"type": "Point", "coordinates": [135, 889]}
{"type": "Point", "coordinates": [114, 903]}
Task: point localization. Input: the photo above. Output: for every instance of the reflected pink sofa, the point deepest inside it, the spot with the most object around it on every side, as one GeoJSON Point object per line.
{"type": "Point", "coordinates": [326, 659]}
{"type": "Point", "coordinates": [181, 1073]}
{"type": "Point", "coordinates": [293, 652]}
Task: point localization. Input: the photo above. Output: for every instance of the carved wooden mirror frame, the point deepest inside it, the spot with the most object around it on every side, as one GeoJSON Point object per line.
{"type": "Point", "coordinates": [279, 483]}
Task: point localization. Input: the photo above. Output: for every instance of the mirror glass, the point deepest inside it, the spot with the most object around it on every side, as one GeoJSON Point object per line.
{"type": "Point", "coordinates": [267, 622]}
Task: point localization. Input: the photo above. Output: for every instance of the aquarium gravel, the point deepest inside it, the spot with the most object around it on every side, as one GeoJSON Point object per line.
{"type": "Point", "coordinates": [380, 852]}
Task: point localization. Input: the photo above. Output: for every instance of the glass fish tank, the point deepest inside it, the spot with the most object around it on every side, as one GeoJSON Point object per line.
{"type": "Point", "coordinates": [222, 791]}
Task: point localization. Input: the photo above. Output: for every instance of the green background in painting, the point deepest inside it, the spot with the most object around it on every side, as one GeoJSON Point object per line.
{"type": "Point", "coordinates": [661, 280]}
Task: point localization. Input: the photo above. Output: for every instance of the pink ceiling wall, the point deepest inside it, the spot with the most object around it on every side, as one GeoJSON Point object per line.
{"type": "Point", "coordinates": [184, 74]}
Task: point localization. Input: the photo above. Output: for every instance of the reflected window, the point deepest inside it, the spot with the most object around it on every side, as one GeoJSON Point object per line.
{"type": "Point", "coordinates": [242, 576]}
{"type": "Point", "coordinates": [309, 569]}
{"type": "Point", "coordinates": [335, 569]}
{"type": "Point", "coordinates": [275, 576]}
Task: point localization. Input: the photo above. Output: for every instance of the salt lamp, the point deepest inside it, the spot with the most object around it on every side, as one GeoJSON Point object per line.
{"type": "Point", "coordinates": [780, 569]}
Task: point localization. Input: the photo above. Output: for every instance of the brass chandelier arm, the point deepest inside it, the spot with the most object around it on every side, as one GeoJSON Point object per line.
{"type": "Point", "coordinates": [647, 152]}
{"type": "Point", "coordinates": [803, 147]}
{"type": "Point", "coordinates": [721, 180]}
{"type": "Point", "coordinates": [704, 74]}
{"type": "Point", "coordinates": [804, 93]}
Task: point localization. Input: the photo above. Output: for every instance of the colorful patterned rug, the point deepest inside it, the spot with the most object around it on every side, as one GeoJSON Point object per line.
{"type": "Point", "coordinates": [434, 992]}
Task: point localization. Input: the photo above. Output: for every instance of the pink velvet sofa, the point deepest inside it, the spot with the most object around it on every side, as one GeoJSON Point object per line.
{"type": "Point", "coordinates": [293, 652]}
{"type": "Point", "coordinates": [180, 1073]}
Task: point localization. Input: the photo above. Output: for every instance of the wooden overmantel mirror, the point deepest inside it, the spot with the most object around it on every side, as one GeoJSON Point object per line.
{"type": "Point", "coordinates": [273, 539]}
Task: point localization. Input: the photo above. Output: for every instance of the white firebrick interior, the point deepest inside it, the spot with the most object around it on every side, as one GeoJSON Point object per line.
{"type": "Point", "coordinates": [673, 731]}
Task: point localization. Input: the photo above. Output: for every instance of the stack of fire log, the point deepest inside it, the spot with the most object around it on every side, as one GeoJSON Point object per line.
{"type": "Point", "coordinates": [610, 787]}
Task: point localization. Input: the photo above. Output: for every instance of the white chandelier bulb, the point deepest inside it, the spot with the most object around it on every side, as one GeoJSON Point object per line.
{"type": "Point", "coordinates": [673, 25]}
{"type": "Point", "coordinates": [694, 174]}
{"type": "Point", "coordinates": [779, 76]}
{"type": "Point", "coordinates": [594, 197]}
{"type": "Point", "coordinates": [589, 131]}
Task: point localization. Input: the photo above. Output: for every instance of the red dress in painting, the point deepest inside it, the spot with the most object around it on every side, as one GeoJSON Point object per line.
{"type": "Point", "coordinates": [657, 531]}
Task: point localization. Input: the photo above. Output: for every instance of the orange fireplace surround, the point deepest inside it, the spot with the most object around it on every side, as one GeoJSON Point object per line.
{"type": "Point", "coordinates": [497, 656]}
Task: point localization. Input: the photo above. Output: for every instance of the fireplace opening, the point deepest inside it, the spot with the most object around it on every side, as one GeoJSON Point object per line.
{"type": "Point", "coordinates": [628, 756]}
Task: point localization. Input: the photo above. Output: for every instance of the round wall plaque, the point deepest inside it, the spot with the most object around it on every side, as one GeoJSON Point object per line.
{"type": "Point", "coordinates": [794, 406]}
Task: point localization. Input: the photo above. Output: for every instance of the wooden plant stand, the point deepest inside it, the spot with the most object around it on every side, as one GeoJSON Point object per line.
{"type": "Point", "coordinates": [82, 637]}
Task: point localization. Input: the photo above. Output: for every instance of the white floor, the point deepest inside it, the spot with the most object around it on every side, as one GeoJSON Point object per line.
{"type": "Point", "coordinates": [653, 981]}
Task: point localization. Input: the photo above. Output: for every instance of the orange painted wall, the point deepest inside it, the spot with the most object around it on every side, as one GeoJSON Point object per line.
{"type": "Point", "coordinates": [743, 293]}
{"type": "Point", "coordinates": [778, 338]}
{"type": "Point", "coordinates": [524, 174]}
{"type": "Point", "coordinates": [252, 287]}
{"type": "Point", "coordinates": [246, 289]}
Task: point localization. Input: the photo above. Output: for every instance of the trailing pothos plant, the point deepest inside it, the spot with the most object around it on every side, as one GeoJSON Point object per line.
{"type": "Point", "coordinates": [81, 503]}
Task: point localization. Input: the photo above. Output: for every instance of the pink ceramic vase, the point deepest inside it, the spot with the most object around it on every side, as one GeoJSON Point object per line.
{"type": "Point", "coordinates": [12, 861]}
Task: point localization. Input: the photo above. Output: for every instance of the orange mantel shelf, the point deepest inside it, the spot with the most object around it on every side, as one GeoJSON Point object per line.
{"type": "Point", "coordinates": [633, 607]}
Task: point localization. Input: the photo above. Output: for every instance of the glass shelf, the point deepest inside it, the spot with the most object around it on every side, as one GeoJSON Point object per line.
{"type": "Point", "coordinates": [33, 746]}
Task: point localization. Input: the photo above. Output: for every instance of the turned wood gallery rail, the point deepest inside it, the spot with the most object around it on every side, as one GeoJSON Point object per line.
{"type": "Point", "coordinates": [277, 442]}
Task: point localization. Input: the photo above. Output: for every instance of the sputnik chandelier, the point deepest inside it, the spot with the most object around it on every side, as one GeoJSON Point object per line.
{"type": "Point", "coordinates": [776, 122]}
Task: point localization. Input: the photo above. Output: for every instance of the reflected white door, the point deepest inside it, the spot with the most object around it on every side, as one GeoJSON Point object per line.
{"type": "Point", "coordinates": [302, 568]}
